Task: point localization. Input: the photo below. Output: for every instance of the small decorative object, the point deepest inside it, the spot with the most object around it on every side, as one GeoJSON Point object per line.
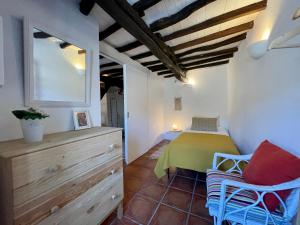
{"type": "Point", "coordinates": [81, 119]}
{"type": "Point", "coordinates": [178, 105]}
{"type": "Point", "coordinates": [31, 123]}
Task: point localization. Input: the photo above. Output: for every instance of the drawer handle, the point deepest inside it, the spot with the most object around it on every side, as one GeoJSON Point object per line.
{"type": "Point", "coordinates": [91, 209]}
{"type": "Point", "coordinates": [112, 172]}
{"type": "Point", "coordinates": [114, 197]}
{"type": "Point", "coordinates": [112, 147]}
{"type": "Point", "coordinates": [54, 209]}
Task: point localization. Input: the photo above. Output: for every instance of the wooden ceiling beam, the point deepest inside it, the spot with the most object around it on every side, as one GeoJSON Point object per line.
{"type": "Point", "coordinates": [244, 11]}
{"type": "Point", "coordinates": [157, 68]}
{"type": "Point", "coordinates": [210, 54]}
{"type": "Point", "coordinates": [141, 55]}
{"type": "Point", "coordinates": [214, 36]}
{"type": "Point", "coordinates": [195, 57]}
{"type": "Point", "coordinates": [169, 76]}
{"type": "Point", "coordinates": [204, 61]}
{"type": "Point", "coordinates": [64, 45]}
{"type": "Point", "coordinates": [228, 41]}
{"type": "Point", "coordinates": [208, 65]}
{"type": "Point", "coordinates": [41, 35]}
{"type": "Point", "coordinates": [86, 6]}
{"type": "Point", "coordinates": [109, 64]}
{"type": "Point", "coordinates": [110, 71]}
{"type": "Point", "coordinates": [150, 63]}
{"type": "Point", "coordinates": [126, 16]}
{"type": "Point", "coordinates": [139, 7]}
{"type": "Point", "coordinates": [214, 46]}
{"type": "Point", "coordinates": [165, 72]}
{"type": "Point", "coordinates": [181, 15]}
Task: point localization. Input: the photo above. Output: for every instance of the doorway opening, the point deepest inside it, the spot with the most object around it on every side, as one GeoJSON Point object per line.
{"type": "Point", "coordinates": [113, 101]}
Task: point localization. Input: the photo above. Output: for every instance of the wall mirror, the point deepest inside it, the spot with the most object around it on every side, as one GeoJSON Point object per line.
{"type": "Point", "coordinates": [57, 68]}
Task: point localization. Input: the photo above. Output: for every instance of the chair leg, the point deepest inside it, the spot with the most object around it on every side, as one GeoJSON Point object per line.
{"type": "Point", "coordinates": [218, 221]}
{"type": "Point", "coordinates": [215, 220]}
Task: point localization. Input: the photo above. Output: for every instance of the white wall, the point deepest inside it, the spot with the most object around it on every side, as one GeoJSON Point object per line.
{"type": "Point", "coordinates": [206, 97]}
{"type": "Point", "coordinates": [155, 108]}
{"type": "Point", "coordinates": [145, 102]}
{"type": "Point", "coordinates": [64, 17]}
{"type": "Point", "coordinates": [264, 94]}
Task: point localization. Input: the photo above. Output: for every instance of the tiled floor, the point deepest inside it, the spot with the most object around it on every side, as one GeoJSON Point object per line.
{"type": "Point", "coordinates": [179, 200]}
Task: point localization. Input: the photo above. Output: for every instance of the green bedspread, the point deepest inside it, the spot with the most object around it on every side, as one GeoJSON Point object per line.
{"type": "Point", "coordinates": [194, 151]}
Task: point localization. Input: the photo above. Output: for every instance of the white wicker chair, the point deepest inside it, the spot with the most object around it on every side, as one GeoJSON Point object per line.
{"type": "Point", "coordinates": [225, 207]}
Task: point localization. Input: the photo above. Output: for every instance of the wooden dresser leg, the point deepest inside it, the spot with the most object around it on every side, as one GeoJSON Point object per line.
{"type": "Point", "coordinates": [120, 210]}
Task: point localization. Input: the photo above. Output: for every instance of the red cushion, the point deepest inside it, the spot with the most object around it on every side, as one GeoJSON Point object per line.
{"type": "Point", "coordinates": [272, 165]}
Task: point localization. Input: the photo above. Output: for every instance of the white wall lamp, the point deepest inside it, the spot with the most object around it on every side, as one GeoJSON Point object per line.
{"type": "Point", "coordinates": [259, 48]}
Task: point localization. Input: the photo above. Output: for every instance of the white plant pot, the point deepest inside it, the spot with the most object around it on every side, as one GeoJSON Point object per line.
{"type": "Point", "coordinates": [33, 130]}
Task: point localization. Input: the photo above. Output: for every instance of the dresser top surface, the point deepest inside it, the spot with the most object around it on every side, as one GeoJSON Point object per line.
{"type": "Point", "coordinates": [14, 148]}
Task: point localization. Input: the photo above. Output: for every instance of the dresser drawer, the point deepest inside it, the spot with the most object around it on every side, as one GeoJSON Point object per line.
{"type": "Point", "coordinates": [43, 171]}
{"type": "Point", "coordinates": [39, 208]}
{"type": "Point", "coordinates": [92, 206]}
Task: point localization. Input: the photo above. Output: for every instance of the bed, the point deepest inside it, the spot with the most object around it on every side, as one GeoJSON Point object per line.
{"type": "Point", "coordinates": [194, 150]}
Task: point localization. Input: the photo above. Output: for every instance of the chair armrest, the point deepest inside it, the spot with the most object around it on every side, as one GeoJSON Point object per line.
{"type": "Point", "coordinates": [263, 188]}
{"type": "Point", "coordinates": [227, 157]}
{"type": "Point", "coordinates": [260, 191]}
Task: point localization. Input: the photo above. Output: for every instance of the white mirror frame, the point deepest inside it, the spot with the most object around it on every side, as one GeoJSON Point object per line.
{"type": "Point", "coordinates": [29, 25]}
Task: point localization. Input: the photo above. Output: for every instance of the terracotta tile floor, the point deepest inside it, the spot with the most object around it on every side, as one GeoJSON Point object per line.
{"type": "Point", "coordinates": [179, 200]}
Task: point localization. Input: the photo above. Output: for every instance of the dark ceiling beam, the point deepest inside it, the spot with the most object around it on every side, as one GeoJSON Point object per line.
{"type": "Point", "coordinates": [177, 17]}
{"type": "Point", "coordinates": [117, 77]}
{"type": "Point", "coordinates": [150, 63]}
{"type": "Point", "coordinates": [202, 48]}
{"type": "Point", "coordinates": [126, 16]}
{"type": "Point", "coordinates": [212, 59]}
{"type": "Point", "coordinates": [141, 55]}
{"type": "Point", "coordinates": [109, 31]}
{"type": "Point", "coordinates": [214, 46]}
{"type": "Point", "coordinates": [210, 54]}
{"type": "Point", "coordinates": [139, 7]}
{"type": "Point", "coordinates": [247, 10]}
{"type": "Point", "coordinates": [196, 57]}
{"type": "Point", "coordinates": [86, 6]}
{"type": "Point", "coordinates": [214, 36]}
{"type": "Point", "coordinates": [109, 64]}
{"type": "Point", "coordinates": [41, 35]}
{"type": "Point", "coordinates": [244, 11]}
{"type": "Point", "coordinates": [64, 45]}
{"type": "Point", "coordinates": [110, 71]}
{"type": "Point", "coordinates": [169, 76]}
{"type": "Point", "coordinates": [157, 68]}
{"type": "Point", "coordinates": [116, 74]}
{"type": "Point", "coordinates": [208, 65]}
{"type": "Point", "coordinates": [164, 72]}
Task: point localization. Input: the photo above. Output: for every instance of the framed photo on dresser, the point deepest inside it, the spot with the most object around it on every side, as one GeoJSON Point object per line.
{"type": "Point", "coordinates": [81, 119]}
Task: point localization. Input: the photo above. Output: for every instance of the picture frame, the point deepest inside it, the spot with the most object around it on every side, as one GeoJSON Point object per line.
{"type": "Point", "coordinates": [1, 53]}
{"type": "Point", "coordinates": [81, 119]}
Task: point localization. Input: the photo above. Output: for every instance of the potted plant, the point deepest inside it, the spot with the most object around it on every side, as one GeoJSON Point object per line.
{"type": "Point", "coordinates": [31, 123]}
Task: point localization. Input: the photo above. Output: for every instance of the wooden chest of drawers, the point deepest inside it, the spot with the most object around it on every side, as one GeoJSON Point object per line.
{"type": "Point", "coordinates": [71, 178]}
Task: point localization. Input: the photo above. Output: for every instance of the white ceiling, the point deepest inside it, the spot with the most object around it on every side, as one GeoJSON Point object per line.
{"type": "Point", "coordinates": [169, 7]}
